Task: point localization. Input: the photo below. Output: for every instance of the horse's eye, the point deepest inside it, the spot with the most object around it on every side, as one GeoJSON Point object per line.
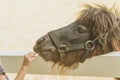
{"type": "Point", "coordinates": [81, 29]}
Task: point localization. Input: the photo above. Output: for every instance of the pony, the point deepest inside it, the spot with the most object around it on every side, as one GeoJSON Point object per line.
{"type": "Point", "coordinates": [95, 32]}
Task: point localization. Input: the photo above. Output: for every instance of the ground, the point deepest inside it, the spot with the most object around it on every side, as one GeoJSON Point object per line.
{"type": "Point", "coordinates": [54, 77]}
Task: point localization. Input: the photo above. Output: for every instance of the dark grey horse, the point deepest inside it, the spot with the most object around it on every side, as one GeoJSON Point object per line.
{"type": "Point", "coordinates": [95, 32]}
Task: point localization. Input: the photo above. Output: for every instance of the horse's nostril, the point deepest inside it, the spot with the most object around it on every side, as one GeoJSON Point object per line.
{"type": "Point", "coordinates": [41, 40]}
{"type": "Point", "coordinates": [44, 39]}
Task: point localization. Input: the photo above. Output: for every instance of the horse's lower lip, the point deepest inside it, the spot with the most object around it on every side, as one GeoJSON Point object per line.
{"type": "Point", "coordinates": [44, 55]}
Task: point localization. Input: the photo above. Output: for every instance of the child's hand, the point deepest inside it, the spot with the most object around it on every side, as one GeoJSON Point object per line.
{"type": "Point", "coordinates": [28, 58]}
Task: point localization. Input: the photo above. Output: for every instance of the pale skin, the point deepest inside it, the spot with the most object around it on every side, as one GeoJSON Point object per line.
{"type": "Point", "coordinates": [28, 58]}
{"type": "Point", "coordinates": [2, 77]}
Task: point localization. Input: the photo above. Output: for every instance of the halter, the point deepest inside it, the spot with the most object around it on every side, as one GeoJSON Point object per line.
{"type": "Point", "coordinates": [88, 46]}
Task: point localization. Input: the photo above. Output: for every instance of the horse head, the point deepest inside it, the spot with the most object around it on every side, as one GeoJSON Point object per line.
{"type": "Point", "coordinates": [96, 31]}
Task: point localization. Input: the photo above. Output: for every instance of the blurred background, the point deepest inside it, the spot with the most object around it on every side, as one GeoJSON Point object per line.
{"type": "Point", "coordinates": [22, 22]}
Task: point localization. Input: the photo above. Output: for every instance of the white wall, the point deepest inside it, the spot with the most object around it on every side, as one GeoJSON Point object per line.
{"type": "Point", "coordinates": [22, 22]}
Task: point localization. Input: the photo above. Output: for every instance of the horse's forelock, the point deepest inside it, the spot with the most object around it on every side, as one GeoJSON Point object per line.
{"type": "Point", "coordinates": [99, 19]}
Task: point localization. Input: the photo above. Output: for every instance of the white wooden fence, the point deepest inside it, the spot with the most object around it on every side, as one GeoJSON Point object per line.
{"type": "Point", "coordinates": [101, 66]}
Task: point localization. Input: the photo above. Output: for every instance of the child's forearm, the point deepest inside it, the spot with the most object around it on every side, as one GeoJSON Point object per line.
{"type": "Point", "coordinates": [28, 58]}
{"type": "Point", "coordinates": [21, 73]}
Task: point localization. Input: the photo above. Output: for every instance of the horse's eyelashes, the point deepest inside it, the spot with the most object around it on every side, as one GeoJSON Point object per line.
{"type": "Point", "coordinates": [81, 30]}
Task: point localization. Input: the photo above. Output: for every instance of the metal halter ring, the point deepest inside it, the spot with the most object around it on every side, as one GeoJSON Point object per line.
{"type": "Point", "coordinates": [89, 45]}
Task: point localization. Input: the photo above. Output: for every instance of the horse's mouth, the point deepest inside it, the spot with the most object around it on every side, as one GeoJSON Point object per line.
{"type": "Point", "coordinates": [45, 53]}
